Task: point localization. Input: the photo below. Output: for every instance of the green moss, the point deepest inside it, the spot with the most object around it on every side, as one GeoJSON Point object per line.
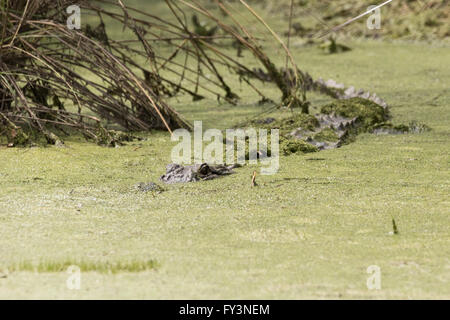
{"type": "Point", "coordinates": [85, 266]}
{"type": "Point", "coordinates": [368, 113]}
{"type": "Point", "coordinates": [326, 135]}
{"type": "Point", "coordinates": [53, 139]}
{"type": "Point", "coordinates": [412, 127]}
{"type": "Point", "coordinates": [15, 135]}
{"type": "Point", "coordinates": [287, 125]}
{"type": "Point", "coordinates": [112, 138]}
{"type": "Point", "coordinates": [20, 138]}
{"type": "Point", "coordinates": [293, 146]}
{"type": "Point", "coordinates": [388, 125]}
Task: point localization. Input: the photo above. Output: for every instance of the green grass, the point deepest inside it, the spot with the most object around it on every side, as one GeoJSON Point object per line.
{"type": "Point", "coordinates": [84, 266]}
{"type": "Point", "coordinates": [310, 231]}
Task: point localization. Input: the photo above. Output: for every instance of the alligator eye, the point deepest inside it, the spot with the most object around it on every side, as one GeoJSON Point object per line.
{"type": "Point", "coordinates": [204, 169]}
